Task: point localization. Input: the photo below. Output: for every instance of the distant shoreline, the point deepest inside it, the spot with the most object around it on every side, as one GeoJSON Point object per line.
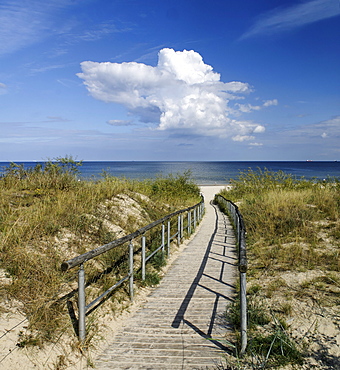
{"type": "Point", "coordinates": [214, 173]}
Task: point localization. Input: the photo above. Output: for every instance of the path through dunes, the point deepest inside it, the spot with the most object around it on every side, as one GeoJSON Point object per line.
{"type": "Point", "coordinates": [180, 324]}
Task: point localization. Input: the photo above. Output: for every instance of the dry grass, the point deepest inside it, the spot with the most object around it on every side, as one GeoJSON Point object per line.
{"type": "Point", "coordinates": [294, 264]}
{"type": "Point", "coordinates": [47, 216]}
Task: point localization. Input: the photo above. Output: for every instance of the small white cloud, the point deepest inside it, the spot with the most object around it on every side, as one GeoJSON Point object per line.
{"type": "Point", "coordinates": [118, 122]}
{"type": "Point", "coordinates": [243, 138]}
{"type": "Point", "coordinates": [185, 145]}
{"type": "Point", "coordinates": [259, 129]}
{"type": "Point", "coordinates": [329, 129]}
{"type": "Point", "coordinates": [56, 119]}
{"type": "Point", "coordinates": [326, 129]}
{"type": "Point", "coordinates": [180, 93]}
{"type": "Point", "coordinates": [255, 144]}
{"type": "Point", "coordinates": [268, 103]}
{"type": "Point", "coordinates": [247, 108]}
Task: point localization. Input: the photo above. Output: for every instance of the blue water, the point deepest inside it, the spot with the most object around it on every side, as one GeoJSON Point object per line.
{"type": "Point", "coordinates": [203, 173]}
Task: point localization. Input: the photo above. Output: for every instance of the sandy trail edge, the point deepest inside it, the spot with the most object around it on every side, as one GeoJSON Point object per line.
{"type": "Point", "coordinates": [11, 323]}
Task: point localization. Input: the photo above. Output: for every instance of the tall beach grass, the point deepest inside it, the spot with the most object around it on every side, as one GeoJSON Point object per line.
{"type": "Point", "coordinates": [47, 215]}
{"type": "Point", "coordinates": [293, 230]}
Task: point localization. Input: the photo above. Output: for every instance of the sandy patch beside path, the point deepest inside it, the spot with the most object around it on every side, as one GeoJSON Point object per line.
{"type": "Point", "coordinates": [209, 191]}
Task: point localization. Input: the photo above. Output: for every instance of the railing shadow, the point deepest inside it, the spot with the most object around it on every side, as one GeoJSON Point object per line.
{"type": "Point", "coordinates": [179, 318]}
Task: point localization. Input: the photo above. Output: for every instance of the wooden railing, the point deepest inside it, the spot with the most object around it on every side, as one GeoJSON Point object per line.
{"type": "Point", "coordinates": [187, 218]}
{"type": "Point", "coordinates": [235, 215]}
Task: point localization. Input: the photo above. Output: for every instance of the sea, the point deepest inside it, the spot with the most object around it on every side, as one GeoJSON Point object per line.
{"type": "Point", "coordinates": [202, 173]}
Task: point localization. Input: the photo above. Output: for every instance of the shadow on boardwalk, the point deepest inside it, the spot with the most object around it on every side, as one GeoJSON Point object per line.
{"type": "Point", "coordinates": [217, 257]}
{"type": "Point", "coordinates": [182, 326]}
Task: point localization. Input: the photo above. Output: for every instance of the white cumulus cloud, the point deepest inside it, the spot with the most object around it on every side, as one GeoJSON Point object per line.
{"type": "Point", "coordinates": [180, 93]}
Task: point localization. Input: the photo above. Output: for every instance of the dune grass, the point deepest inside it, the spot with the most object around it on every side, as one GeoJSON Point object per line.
{"type": "Point", "coordinates": [48, 215]}
{"type": "Point", "coordinates": [292, 230]}
{"type": "Point", "coordinates": [285, 218]}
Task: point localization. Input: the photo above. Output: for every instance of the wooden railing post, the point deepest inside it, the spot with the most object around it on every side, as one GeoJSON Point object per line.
{"type": "Point", "coordinates": [131, 270]}
{"type": "Point", "coordinates": [163, 237]}
{"type": "Point", "coordinates": [169, 237]}
{"type": "Point", "coordinates": [143, 257]}
{"type": "Point", "coordinates": [179, 230]}
{"type": "Point", "coordinates": [239, 227]}
{"type": "Point", "coordinates": [81, 303]}
{"type": "Point", "coordinates": [81, 259]}
{"type": "Point", "coordinates": [243, 311]}
{"type": "Point", "coordinates": [195, 218]}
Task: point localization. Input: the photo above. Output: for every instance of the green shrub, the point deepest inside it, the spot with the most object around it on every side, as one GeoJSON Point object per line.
{"type": "Point", "coordinates": [275, 349]}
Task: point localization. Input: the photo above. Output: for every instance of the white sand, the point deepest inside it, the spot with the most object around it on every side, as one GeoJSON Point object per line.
{"type": "Point", "coordinates": [209, 191]}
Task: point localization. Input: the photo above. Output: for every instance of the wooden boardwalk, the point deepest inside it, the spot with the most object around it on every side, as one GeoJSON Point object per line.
{"type": "Point", "coordinates": [182, 322]}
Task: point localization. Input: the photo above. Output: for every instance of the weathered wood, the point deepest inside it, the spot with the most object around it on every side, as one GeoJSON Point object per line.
{"type": "Point", "coordinates": [181, 325]}
{"type": "Point", "coordinates": [106, 247]}
{"type": "Point", "coordinates": [242, 264]}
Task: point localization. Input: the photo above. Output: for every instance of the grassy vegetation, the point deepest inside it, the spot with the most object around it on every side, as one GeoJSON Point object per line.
{"type": "Point", "coordinates": [285, 219]}
{"type": "Point", "coordinates": [47, 215]}
{"type": "Point", "coordinates": [293, 245]}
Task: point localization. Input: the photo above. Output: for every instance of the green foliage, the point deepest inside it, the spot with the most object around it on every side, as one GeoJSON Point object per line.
{"type": "Point", "coordinates": [151, 279]}
{"type": "Point", "coordinates": [172, 187]}
{"type": "Point", "coordinates": [268, 340]}
{"type": "Point", "coordinates": [159, 260]}
{"type": "Point", "coordinates": [261, 181]}
{"type": "Point", "coordinates": [275, 348]}
{"type": "Point", "coordinates": [60, 165]}
{"type": "Point", "coordinates": [58, 173]}
{"type": "Point", "coordinates": [256, 311]}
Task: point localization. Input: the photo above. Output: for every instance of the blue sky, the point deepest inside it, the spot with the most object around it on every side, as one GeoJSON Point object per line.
{"type": "Point", "coordinates": [170, 80]}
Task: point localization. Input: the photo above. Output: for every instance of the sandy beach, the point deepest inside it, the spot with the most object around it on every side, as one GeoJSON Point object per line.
{"type": "Point", "coordinates": [209, 191]}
